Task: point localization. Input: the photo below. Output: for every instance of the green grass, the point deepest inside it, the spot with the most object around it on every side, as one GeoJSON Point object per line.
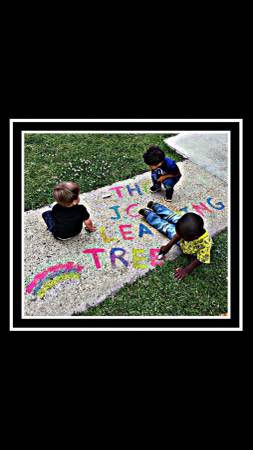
{"type": "Point", "coordinates": [204, 292]}
{"type": "Point", "coordinates": [91, 160]}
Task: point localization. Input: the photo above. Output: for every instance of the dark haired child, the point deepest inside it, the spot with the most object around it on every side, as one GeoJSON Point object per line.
{"type": "Point", "coordinates": [185, 230]}
{"type": "Point", "coordinates": [67, 216]}
{"type": "Point", "coordinates": [164, 171]}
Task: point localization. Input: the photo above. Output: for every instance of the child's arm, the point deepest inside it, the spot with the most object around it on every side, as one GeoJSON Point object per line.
{"type": "Point", "coordinates": [162, 178]}
{"type": "Point", "coordinates": [182, 272]}
{"type": "Point", "coordinates": [166, 248]}
{"type": "Point", "coordinates": [89, 225]}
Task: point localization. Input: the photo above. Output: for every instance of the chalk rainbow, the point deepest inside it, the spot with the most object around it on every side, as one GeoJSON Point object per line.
{"type": "Point", "coordinates": [52, 276]}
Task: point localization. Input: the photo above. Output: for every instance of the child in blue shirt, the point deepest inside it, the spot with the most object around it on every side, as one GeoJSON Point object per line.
{"type": "Point", "coordinates": [164, 171]}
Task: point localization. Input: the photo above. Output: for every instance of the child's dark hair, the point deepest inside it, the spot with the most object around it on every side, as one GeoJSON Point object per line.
{"type": "Point", "coordinates": [154, 155]}
{"type": "Point", "coordinates": [190, 226]}
{"type": "Point", "coordinates": [66, 192]}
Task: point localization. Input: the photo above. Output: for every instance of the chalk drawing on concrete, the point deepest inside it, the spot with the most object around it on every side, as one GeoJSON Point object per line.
{"type": "Point", "coordinates": [67, 272]}
{"type": "Point", "coordinates": [124, 247]}
{"type": "Point", "coordinates": [52, 276]}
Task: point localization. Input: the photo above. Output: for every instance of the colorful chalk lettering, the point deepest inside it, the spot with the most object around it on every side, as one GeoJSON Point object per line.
{"type": "Point", "coordinates": [117, 190]}
{"type": "Point", "coordinates": [94, 253]}
{"type": "Point", "coordinates": [136, 188]}
{"type": "Point", "coordinates": [118, 256]}
{"type": "Point", "coordinates": [143, 229]}
{"type": "Point", "coordinates": [130, 207]}
{"type": "Point", "coordinates": [219, 205]}
{"type": "Point", "coordinates": [125, 234]}
{"type": "Point", "coordinates": [130, 190]}
{"type": "Point", "coordinates": [137, 258]}
{"type": "Point", "coordinates": [146, 186]}
{"type": "Point", "coordinates": [104, 236]}
{"type": "Point", "coordinates": [200, 208]}
{"type": "Point", "coordinates": [154, 252]}
{"type": "Point", "coordinates": [116, 210]}
{"type": "Point", "coordinates": [119, 253]}
{"type": "Point", "coordinates": [114, 256]}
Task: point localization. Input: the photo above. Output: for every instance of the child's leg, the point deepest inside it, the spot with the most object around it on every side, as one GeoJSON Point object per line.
{"type": "Point", "coordinates": [155, 174]}
{"type": "Point", "coordinates": [48, 218]}
{"type": "Point", "coordinates": [160, 224]}
{"type": "Point", "coordinates": [165, 213]}
{"type": "Point", "coordinates": [170, 182]}
{"type": "Point", "coordinates": [169, 186]}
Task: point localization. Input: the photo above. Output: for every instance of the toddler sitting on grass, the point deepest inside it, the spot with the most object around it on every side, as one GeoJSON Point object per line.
{"type": "Point", "coordinates": [67, 216]}
{"type": "Point", "coordinates": [185, 230]}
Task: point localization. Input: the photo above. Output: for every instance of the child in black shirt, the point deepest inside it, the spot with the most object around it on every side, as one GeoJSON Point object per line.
{"type": "Point", "coordinates": [67, 216]}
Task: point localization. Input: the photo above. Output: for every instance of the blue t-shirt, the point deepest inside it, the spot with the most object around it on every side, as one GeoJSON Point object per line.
{"type": "Point", "coordinates": [169, 166]}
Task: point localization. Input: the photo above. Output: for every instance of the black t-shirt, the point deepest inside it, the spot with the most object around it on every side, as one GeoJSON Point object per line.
{"type": "Point", "coordinates": [69, 221]}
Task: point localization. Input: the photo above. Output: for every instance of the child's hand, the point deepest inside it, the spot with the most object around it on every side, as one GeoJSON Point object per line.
{"type": "Point", "coordinates": [181, 273]}
{"type": "Point", "coordinates": [90, 229]}
{"type": "Point", "coordinates": [163, 250]}
{"type": "Point", "coordinates": [89, 226]}
{"type": "Point", "coordinates": [161, 178]}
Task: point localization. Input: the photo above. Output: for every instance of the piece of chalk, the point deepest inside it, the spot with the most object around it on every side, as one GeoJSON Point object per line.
{"type": "Point", "coordinates": [106, 195]}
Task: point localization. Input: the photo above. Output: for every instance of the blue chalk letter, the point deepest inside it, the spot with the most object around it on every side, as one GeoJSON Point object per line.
{"type": "Point", "coordinates": [221, 206]}
{"type": "Point", "coordinates": [116, 209]}
{"type": "Point", "coordinates": [144, 230]}
{"type": "Point", "coordinates": [137, 188]}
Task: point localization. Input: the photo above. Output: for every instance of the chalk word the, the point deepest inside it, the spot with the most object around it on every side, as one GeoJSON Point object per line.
{"type": "Point", "coordinates": [131, 191]}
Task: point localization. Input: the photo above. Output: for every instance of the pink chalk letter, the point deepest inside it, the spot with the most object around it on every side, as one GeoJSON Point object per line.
{"type": "Point", "coordinates": [153, 257]}
{"type": "Point", "coordinates": [125, 233]}
{"type": "Point", "coordinates": [94, 252]}
{"type": "Point", "coordinates": [117, 189]}
{"type": "Point", "coordinates": [130, 207]}
{"type": "Point", "coordinates": [199, 208]}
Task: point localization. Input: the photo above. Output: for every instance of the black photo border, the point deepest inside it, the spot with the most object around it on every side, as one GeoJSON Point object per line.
{"type": "Point", "coordinates": [17, 323]}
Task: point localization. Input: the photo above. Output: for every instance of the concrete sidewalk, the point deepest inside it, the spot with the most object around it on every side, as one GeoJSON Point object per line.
{"type": "Point", "coordinates": [97, 271]}
{"type": "Point", "coordinates": [208, 150]}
